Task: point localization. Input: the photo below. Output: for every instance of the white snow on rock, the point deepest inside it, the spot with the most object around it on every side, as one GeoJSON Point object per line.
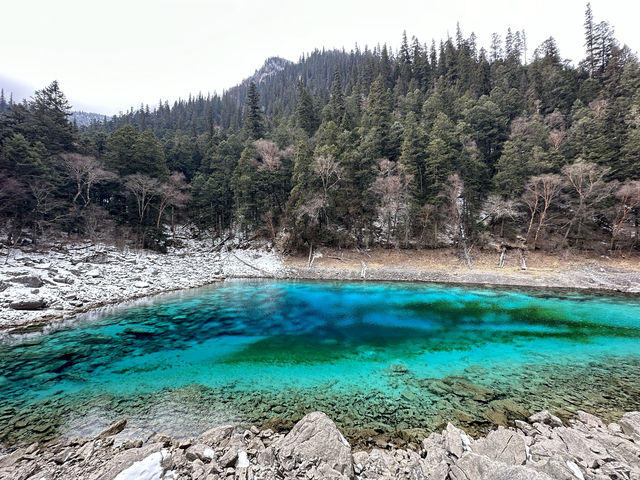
{"type": "Point", "coordinates": [79, 277]}
{"type": "Point", "coordinates": [575, 470]}
{"type": "Point", "coordinates": [149, 468]}
{"type": "Point", "coordinates": [243, 460]}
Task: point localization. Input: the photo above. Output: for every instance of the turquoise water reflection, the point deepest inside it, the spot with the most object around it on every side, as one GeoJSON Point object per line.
{"type": "Point", "coordinates": [379, 358]}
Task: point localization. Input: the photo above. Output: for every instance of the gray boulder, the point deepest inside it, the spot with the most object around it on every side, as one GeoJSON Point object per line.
{"type": "Point", "coordinates": [113, 429]}
{"type": "Point", "coordinates": [201, 452]}
{"type": "Point", "coordinates": [29, 304]}
{"type": "Point", "coordinates": [477, 467]}
{"type": "Point", "coordinates": [30, 281]}
{"type": "Point", "coordinates": [124, 460]}
{"type": "Point", "coordinates": [503, 445]}
{"type": "Point", "coordinates": [456, 442]}
{"type": "Point", "coordinates": [234, 446]}
{"type": "Point", "coordinates": [217, 437]}
{"type": "Point", "coordinates": [590, 420]}
{"type": "Point", "coordinates": [315, 440]}
{"type": "Point", "coordinates": [546, 418]}
{"type": "Point", "coordinates": [630, 424]}
{"type": "Point", "coordinates": [377, 464]}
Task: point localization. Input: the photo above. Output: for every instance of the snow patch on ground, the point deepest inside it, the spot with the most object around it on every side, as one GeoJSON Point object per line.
{"type": "Point", "coordinates": [149, 468]}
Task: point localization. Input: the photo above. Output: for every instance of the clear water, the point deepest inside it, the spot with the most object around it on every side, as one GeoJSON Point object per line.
{"type": "Point", "coordinates": [392, 360]}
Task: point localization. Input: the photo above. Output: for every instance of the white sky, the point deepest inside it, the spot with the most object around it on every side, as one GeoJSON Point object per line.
{"type": "Point", "coordinates": [109, 55]}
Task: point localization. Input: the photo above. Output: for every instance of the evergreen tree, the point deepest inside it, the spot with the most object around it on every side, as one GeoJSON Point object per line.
{"type": "Point", "coordinates": [49, 120]}
{"type": "Point", "coordinates": [120, 150]}
{"type": "Point", "coordinates": [3, 103]}
{"type": "Point", "coordinates": [336, 105]}
{"type": "Point", "coordinates": [590, 41]}
{"type": "Point", "coordinates": [306, 117]}
{"type": "Point", "coordinates": [148, 157]}
{"type": "Point", "coordinates": [253, 121]}
{"type": "Point", "coordinates": [413, 158]}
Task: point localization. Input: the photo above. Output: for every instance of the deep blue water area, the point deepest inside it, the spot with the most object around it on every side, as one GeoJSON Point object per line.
{"type": "Point", "coordinates": [393, 360]}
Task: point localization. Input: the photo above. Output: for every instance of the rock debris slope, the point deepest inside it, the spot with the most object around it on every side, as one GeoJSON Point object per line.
{"type": "Point", "coordinates": [542, 449]}
{"type": "Point", "coordinates": [69, 279]}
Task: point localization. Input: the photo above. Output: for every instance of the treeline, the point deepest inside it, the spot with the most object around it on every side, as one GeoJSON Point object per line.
{"type": "Point", "coordinates": [426, 146]}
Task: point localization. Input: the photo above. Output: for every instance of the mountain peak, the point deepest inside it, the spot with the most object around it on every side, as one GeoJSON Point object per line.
{"type": "Point", "coordinates": [272, 65]}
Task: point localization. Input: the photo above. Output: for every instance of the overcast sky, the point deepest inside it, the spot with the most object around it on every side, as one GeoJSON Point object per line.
{"type": "Point", "coordinates": [110, 55]}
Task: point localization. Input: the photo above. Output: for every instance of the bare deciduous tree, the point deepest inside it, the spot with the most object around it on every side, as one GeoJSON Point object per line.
{"type": "Point", "coordinates": [86, 171]}
{"type": "Point", "coordinates": [628, 195]}
{"type": "Point", "coordinates": [540, 193]}
{"type": "Point", "coordinates": [270, 156]}
{"type": "Point", "coordinates": [586, 180]}
{"type": "Point", "coordinates": [392, 186]}
{"type": "Point", "coordinates": [454, 202]}
{"type": "Point", "coordinates": [330, 173]}
{"type": "Point", "coordinates": [556, 137]}
{"type": "Point", "coordinates": [557, 128]}
{"type": "Point", "coordinates": [45, 206]}
{"type": "Point", "coordinates": [173, 194]}
{"type": "Point", "coordinates": [144, 189]}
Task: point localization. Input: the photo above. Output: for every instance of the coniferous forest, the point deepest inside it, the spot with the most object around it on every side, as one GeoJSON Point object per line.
{"type": "Point", "coordinates": [433, 144]}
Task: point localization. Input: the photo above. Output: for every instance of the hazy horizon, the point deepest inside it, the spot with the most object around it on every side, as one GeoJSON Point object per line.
{"type": "Point", "coordinates": [154, 50]}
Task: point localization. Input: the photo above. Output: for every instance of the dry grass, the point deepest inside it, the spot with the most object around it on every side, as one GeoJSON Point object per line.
{"type": "Point", "coordinates": [444, 259]}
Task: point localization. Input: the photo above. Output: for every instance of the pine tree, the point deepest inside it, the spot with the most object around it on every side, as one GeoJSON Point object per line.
{"type": "Point", "coordinates": [379, 121]}
{"type": "Point", "coordinates": [496, 48]}
{"type": "Point", "coordinates": [3, 103]}
{"type": "Point", "coordinates": [404, 67]}
{"type": "Point", "coordinates": [253, 122]}
{"type": "Point", "coordinates": [149, 156]}
{"type": "Point", "coordinates": [385, 69]}
{"type": "Point", "coordinates": [336, 105]}
{"type": "Point", "coordinates": [590, 40]}
{"type": "Point", "coordinates": [413, 157]}
{"type": "Point", "coordinates": [49, 121]}
{"type": "Point", "coordinates": [306, 117]}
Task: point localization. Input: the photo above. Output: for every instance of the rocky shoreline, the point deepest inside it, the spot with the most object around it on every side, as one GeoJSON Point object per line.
{"type": "Point", "coordinates": [40, 287]}
{"type": "Point", "coordinates": [587, 277]}
{"type": "Point", "coordinates": [540, 449]}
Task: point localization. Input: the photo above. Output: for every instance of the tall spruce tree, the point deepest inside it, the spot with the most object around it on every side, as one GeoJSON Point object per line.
{"type": "Point", "coordinates": [49, 121]}
{"type": "Point", "coordinates": [253, 120]}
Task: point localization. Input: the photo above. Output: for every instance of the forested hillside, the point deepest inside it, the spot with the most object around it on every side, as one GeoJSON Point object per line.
{"type": "Point", "coordinates": [428, 145]}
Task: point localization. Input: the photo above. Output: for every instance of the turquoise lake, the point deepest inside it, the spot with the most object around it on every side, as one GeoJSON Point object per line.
{"type": "Point", "coordinates": [387, 361]}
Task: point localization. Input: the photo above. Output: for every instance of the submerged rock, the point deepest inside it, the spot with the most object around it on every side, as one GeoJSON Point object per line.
{"type": "Point", "coordinates": [113, 429]}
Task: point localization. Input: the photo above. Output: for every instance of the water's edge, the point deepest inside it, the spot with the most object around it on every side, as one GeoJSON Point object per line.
{"type": "Point", "coordinates": [436, 400]}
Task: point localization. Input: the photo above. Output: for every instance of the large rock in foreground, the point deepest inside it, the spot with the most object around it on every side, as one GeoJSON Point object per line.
{"type": "Point", "coordinates": [584, 449]}
{"type": "Point", "coordinates": [315, 440]}
{"type": "Point", "coordinates": [630, 423]}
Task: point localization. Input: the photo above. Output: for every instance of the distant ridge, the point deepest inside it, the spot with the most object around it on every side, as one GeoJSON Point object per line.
{"type": "Point", "coordinates": [84, 119]}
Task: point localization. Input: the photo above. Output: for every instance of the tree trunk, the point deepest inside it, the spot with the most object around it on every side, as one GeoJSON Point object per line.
{"type": "Point", "coordinates": [523, 259]}
{"type": "Point", "coordinates": [310, 255]}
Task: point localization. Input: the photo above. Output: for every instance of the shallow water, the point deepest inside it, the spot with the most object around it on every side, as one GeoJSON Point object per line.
{"type": "Point", "coordinates": [392, 360]}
